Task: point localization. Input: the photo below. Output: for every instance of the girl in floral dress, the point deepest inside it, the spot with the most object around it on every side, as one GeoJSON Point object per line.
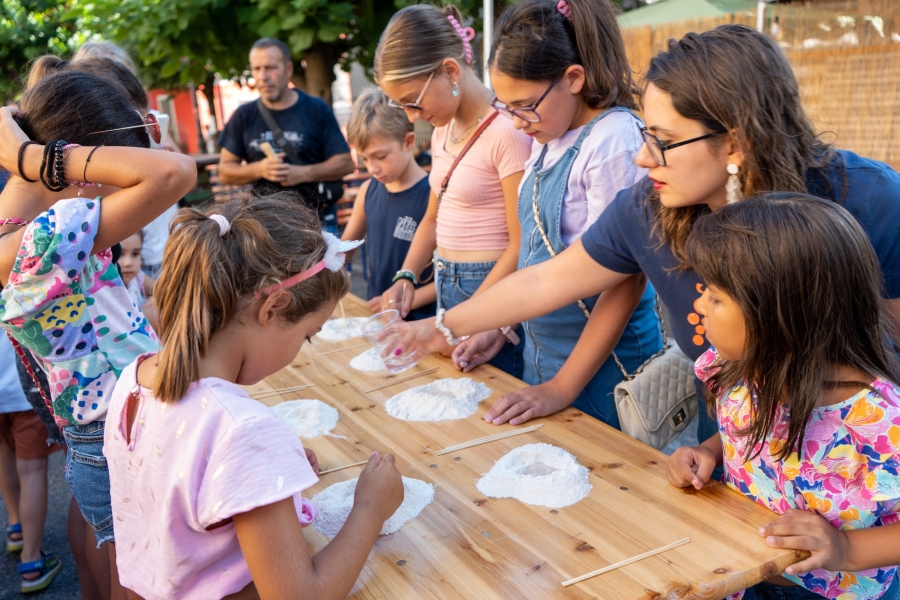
{"type": "Point", "coordinates": [804, 383]}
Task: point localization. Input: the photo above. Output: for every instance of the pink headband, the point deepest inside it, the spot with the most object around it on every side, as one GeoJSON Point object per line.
{"type": "Point", "coordinates": [563, 7]}
{"type": "Point", "coordinates": [334, 258]}
{"type": "Point", "coordinates": [467, 35]}
{"type": "Point", "coordinates": [290, 281]}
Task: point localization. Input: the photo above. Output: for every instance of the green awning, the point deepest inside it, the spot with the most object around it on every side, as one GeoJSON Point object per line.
{"type": "Point", "coordinates": [669, 11]}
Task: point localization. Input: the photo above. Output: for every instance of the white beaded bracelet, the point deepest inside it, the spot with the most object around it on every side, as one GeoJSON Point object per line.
{"type": "Point", "coordinates": [439, 325]}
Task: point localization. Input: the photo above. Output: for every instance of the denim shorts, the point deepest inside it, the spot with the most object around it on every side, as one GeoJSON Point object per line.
{"type": "Point", "coordinates": [457, 282]}
{"type": "Point", "coordinates": [768, 591]}
{"type": "Point", "coordinates": [88, 476]}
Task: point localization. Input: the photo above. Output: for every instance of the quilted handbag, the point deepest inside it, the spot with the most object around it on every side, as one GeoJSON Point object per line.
{"type": "Point", "coordinates": [659, 400]}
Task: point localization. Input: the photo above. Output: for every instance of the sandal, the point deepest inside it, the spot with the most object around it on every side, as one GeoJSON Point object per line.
{"type": "Point", "coordinates": [11, 544]}
{"type": "Point", "coordinates": [47, 567]}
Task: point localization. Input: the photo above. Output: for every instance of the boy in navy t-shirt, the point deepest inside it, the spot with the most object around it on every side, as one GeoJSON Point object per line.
{"type": "Point", "coordinates": [391, 204]}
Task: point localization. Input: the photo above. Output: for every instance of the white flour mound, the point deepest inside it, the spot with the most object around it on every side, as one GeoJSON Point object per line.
{"type": "Point", "coordinates": [308, 418]}
{"type": "Point", "coordinates": [440, 400]}
{"type": "Point", "coordinates": [538, 474]}
{"type": "Point", "coordinates": [370, 360]}
{"type": "Point", "coordinates": [341, 329]}
{"type": "Point", "coordinates": [335, 501]}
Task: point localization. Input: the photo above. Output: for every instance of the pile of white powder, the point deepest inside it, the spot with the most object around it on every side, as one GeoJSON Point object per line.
{"type": "Point", "coordinates": [335, 501]}
{"type": "Point", "coordinates": [308, 418]}
{"type": "Point", "coordinates": [370, 360]}
{"type": "Point", "coordinates": [341, 329]}
{"type": "Point", "coordinates": [441, 400]}
{"type": "Point", "coordinates": [538, 474]}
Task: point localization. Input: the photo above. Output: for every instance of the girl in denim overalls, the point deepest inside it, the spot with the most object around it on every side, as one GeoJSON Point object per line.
{"type": "Point", "coordinates": [560, 72]}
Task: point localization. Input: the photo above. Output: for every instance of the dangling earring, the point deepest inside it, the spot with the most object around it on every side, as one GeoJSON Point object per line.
{"type": "Point", "coordinates": [733, 192]}
{"type": "Point", "coordinates": [455, 88]}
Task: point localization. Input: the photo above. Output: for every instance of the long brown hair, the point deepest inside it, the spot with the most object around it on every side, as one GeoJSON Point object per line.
{"type": "Point", "coordinates": [416, 41]}
{"type": "Point", "coordinates": [208, 280]}
{"type": "Point", "coordinates": [535, 42]}
{"type": "Point", "coordinates": [735, 79]}
{"type": "Point", "coordinates": [808, 282]}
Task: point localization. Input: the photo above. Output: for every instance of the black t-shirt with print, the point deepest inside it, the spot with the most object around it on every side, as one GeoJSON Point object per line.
{"type": "Point", "coordinates": [309, 127]}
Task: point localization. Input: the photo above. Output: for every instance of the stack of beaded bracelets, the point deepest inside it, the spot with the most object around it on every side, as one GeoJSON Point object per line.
{"type": "Point", "coordinates": [52, 166]}
{"type": "Point", "coordinates": [406, 274]}
{"type": "Point", "coordinates": [439, 325]}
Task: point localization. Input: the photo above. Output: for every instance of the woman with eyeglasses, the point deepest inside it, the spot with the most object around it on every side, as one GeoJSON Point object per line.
{"type": "Point", "coordinates": [560, 73]}
{"type": "Point", "coordinates": [723, 120]}
{"type": "Point", "coordinates": [63, 300]}
{"type": "Point", "coordinates": [471, 226]}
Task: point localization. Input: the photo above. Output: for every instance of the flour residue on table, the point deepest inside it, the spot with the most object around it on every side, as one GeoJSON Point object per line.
{"type": "Point", "coordinates": [335, 330]}
{"type": "Point", "coordinates": [369, 361]}
{"type": "Point", "coordinates": [336, 501]}
{"type": "Point", "coordinates": [308, 418]}
{"type": "Point", "coordinates": [538, 474]}
{"type": "Point", "coordinates": [441, 400]}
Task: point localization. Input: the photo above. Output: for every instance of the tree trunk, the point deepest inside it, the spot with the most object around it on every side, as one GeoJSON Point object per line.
{"type": "Point", "coordinates": [319, 73]}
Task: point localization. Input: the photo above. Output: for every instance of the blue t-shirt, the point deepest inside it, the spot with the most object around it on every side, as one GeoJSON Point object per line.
{"type": "Point", "coordinates": [621, 239]}
{"type": "Point", "coordinates": [391, 222]}
{"type": "Point", "coordinates": [309, 128]}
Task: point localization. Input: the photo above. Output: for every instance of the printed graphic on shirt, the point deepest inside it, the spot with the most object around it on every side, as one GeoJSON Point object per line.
{"type": "Point", "coordinates": [405, 229]}
{"type": "Point", "coordinates": [698, 322]}
{"type": "Point", "coordinates": [293, 138]}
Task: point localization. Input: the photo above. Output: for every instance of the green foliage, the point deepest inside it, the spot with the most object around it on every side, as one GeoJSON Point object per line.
{"type": "Point", "coordinates": [30, 28]}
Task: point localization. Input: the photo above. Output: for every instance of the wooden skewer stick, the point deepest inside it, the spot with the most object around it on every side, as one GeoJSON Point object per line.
{"type": "Point", "coordinates": [627, 561]}
{"type": "Point", "coordinates": [488, 439]}
{"type": "Point", "coordinates": [356, 464]}
{"type": "Point", "coordinates": [381, 387]}
{"type": "Point", "coordinates": [279, 391]}
{"type": "Point", "coordinates": [342, 349]}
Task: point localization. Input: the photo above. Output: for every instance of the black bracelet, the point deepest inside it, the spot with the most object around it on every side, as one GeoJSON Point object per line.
{"type": "Point", "coordinates": [21, 157]}
{"type": "Point", "coordinates": [51, 167]}
{"type": "Point", "coordinates": [84, 175]}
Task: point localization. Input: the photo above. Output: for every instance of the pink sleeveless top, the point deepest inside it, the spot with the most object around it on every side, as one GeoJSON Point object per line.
{"type": "Point", "coordinates": [472, 216]}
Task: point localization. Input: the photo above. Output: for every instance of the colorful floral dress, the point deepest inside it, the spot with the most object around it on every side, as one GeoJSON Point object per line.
{"type": "Point", "coordinates": [71, 309]}
{"type": "Point", "coordinates": [848, 470]}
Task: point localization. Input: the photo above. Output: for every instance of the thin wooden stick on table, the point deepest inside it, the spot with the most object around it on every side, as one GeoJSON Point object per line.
{"type": "Point", "coordinates": [489, 439]}
{"type": "Point", "coordinates": [356, 464]}
{"type": "Point", "coordinates": [280, 391]}
{"type": "Point", "coordinates": [395, 382]}
{"type": "Point", "coordinates": [342, 349]}
{"type": "Point", "coordinates": [627, 561]}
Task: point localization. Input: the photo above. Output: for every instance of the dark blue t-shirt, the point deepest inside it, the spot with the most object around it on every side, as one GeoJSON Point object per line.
{"type": "Point", "coordinates": [621, 240]}
{"type": "Point", "coordinates": [309, 127]}
{"type": "Point", "coordinates": [391, 222]}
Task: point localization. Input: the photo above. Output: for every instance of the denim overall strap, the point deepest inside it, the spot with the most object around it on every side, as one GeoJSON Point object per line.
{"type": "Point", "coordinates": [550, 339]}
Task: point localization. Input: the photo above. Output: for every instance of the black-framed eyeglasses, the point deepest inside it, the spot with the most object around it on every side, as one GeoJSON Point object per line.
{"type": "Point", "coordinates": [526, 113]}
{"type": "Point", "coordinates": [413, 105]}
{"type": "Point", "coordinates": [657, 148]}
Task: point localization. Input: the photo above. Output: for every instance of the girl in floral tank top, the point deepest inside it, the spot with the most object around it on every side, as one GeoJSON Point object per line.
{"type": "Point", "coordinates": [803, 378]}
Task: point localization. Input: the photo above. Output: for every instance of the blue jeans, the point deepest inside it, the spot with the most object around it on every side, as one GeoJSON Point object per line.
{"type": "Point", "coordinates": [88, 476]}
{"type": "Point", "coordinates": [768, 591]}
{"type": "Point", "coordinates": [456, 283]}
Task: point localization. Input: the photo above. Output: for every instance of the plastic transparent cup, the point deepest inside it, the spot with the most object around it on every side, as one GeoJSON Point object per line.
{"type": "Point", "coordinates": [373, 329]}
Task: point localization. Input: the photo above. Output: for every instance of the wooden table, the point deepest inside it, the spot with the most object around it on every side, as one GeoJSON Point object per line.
{"type": "Point", "coordinates": [466, 546]}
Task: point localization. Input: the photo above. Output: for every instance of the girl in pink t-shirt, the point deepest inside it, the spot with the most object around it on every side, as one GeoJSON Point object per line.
{"type": "Point", "coordinates": [804, 380]}
{"type": "Point", "coordinates": [206, 481]}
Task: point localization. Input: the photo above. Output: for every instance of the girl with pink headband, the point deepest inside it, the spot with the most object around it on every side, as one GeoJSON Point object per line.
{"type": "Point", "coordinates": [240, 292]}
{"type": "Point", "coordinates": [470, 230]}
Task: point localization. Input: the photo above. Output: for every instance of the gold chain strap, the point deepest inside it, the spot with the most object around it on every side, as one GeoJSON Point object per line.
{"type": "Point", "coordinates": [581, 304]}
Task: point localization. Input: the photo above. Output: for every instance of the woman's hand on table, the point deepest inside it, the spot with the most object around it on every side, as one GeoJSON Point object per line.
{"type": "Point", "coordinates": [413, 335]}
{"type": "Point", "coordinates": [397, 298]}
{"type": "Point", "coordinates": [691, 466]}
{"type": "Point", "coordinates": [313, 461]}
{"type": "Point", "coordinates": [828, 546]}
{"type": "Point", "coordinates": [528, 403]}
{"type": "Point", "coordinates": [380, 488]}
{"type": "Point", "coordinates": [478, 349]}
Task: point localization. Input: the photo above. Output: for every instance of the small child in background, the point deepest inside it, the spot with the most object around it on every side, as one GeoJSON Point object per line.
{"type": "Point", "coordinates": [138, 284]}
{"type": "Point", "coordinates": [391, 204]}
{"type": "Point", "coordinates": [805, 385]}
{"type": "Point", "coordinates": [205, 480]}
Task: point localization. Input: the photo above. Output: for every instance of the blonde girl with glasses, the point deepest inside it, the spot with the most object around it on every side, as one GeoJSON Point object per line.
{"type": "Point", "coordinates": [471, 228]}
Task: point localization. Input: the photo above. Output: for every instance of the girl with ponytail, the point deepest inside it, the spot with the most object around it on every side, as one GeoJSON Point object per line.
{"type": "Point", "coordinates": [208, 475]}
{"type": "Point", "coordinates": [426, 65]}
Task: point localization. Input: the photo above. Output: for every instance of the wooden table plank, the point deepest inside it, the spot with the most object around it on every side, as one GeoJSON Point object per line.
{"type": "Point", "coordinates": [464, 545]}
